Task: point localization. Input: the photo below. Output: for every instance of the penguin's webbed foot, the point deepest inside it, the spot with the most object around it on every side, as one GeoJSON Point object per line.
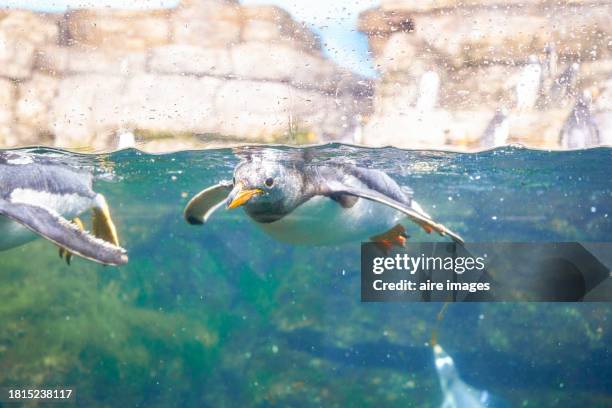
{"type": "Point", "coordinates": [427, 228]}
{"type": "Point", "coordinates": [63, 252]}
{"type": "Point", "coordinates": [396, 236]}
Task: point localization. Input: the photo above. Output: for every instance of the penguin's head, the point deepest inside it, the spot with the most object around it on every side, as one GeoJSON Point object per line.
{"type": "Point", "coordinates": [268, 189]}
{"type": "Point", "coordinates": [445, 366]}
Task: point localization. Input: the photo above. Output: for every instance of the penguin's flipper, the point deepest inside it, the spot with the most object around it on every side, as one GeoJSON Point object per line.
{"type": "Point", "coordinates": [50, 225]}
{"type": "Point", "coordinates": [336, 188]}
{"type": "Point", "coordinates": [203, 204]}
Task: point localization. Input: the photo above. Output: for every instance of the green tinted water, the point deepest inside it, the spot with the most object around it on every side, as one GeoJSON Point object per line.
{"type": "Point", "coordinates": [222, 315]}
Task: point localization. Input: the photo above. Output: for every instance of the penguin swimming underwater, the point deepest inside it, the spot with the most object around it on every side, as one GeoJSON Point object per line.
{"type": "Point", "coordinates": [302, 202]}
{"type": "Point", "coordinates": [38, 196]}
{"type": "Point", "coordinates": [457, 394]}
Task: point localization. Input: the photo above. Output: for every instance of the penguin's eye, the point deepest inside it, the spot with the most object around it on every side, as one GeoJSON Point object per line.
{"type": "Point", "coordinates": [269, 182]}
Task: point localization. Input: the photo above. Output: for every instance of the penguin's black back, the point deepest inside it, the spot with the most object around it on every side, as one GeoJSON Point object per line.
{"type": "Point", "coordinates": [34, 172]}
{"type": "Point", "coordinates": [376, 180]}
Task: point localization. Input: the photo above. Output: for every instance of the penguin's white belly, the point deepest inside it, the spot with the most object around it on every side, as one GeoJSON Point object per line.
{"type": "Point", "coordinates": [500, 136]}
{"type": "Point", "coordinates": [322, 221]}
{"type": "Point", "coordinates": [13, 234]}
{"type": "Point", "coordinates": [69, 206]}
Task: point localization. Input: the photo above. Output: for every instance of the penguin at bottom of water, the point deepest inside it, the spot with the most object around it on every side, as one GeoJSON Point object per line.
{"type": "Point", "coordinates": [456, 393]}
{"type": "Point", "coordinates": [301, 202]}
{"type": "Point", "coordinates": [38, 197]}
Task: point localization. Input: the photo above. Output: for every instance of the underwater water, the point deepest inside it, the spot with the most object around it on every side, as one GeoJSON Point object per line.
{"type": "Point", "coordinates": [222, 315]}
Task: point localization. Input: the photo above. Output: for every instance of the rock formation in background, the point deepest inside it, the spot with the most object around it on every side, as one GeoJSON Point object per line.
{"type": "Point", "coordinates": [208, 67]}
{"type": "Point", "coordinates": [230, 73]}
{"type": "Point", "coordinates": [531, 58]}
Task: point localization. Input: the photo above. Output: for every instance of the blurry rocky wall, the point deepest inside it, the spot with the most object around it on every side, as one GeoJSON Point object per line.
{"type": "Point", "coordinates": [474, 75]}
{"type": "Point", "coordinates": [101, 79]}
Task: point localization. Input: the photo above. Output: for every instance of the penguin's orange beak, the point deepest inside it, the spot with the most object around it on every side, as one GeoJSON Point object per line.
{"type": "Point", "coordinates": [240, 197]}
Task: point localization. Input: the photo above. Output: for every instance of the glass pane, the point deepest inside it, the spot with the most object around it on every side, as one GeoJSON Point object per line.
{"type": "Point", "coordinates": [185, 186]}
